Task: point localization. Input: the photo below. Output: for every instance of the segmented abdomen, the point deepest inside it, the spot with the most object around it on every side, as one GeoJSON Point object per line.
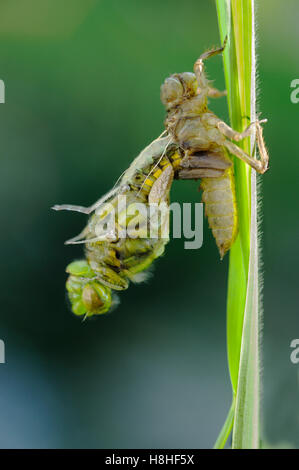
{"type": "Point", "coordinates": [219, 196]}
{"type": "Point", "coordinates": [116, 263]}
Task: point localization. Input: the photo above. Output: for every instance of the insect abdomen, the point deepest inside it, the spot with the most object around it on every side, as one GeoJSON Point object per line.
{"type": "Point", "coordinates": [219, 196]}
{"type": "Point", "coordinates": [116, 263]}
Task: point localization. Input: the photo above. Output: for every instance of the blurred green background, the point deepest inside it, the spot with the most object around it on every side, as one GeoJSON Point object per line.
{"type": "Point", "coordinates": [82, 99]}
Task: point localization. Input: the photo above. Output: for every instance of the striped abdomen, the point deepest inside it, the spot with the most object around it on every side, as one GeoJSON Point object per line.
{"type": "Point", "coordinates": [219, 196]}
{"type": "Point", "coordinates": [215, 170]}
{"type": "Point", "coordinates": [118, 261]}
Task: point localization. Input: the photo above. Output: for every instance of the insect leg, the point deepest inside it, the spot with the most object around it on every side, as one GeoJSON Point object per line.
{"type": "Point", "coordinates": [90, 209]}
{"type": "Point", "coordinates": [262, 147]}
{"type": "Point", "coordinates": [214, 93]}
{"type": "Point", "coordinates": [82, 209]}
{"type": "Point", "coordinates": [199, 65]}
{"type": "Point", "coordinates": [70, 207]}
{"type": "Point", "coordinates": [235, 135]}
{"type": "Point", "coordinates": [261, 165]}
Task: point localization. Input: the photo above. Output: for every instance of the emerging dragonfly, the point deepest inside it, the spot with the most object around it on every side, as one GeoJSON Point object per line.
{"type": "Point", "coordinates": [194, 145]}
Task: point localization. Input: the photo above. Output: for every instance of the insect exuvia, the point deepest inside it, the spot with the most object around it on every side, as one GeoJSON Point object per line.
{"type": "Point", "coordinates": [195, 145]}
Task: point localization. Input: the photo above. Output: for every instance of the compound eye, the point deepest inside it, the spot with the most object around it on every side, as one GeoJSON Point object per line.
{"type": "Point", "coordinates": [171, 92]}
{"type": "Point", "coordinates": [190, 83]}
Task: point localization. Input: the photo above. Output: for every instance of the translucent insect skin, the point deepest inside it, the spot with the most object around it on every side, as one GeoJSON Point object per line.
{"type": "Point", "coordinates": [204, 139]}
{"type": "Point", "coordinates": [192, 126]}
{"type": "Point", "coordinates": [195, 146]}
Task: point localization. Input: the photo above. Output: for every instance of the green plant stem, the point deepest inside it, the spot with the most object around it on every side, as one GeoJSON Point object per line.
{"type": "Point", "coordinates": [236, 20]}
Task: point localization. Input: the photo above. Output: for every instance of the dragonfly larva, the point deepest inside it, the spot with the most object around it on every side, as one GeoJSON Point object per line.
{"type": "Point", "coordinates": [205, 141]}
{"type": "Point", "coordinates": [195, 145]}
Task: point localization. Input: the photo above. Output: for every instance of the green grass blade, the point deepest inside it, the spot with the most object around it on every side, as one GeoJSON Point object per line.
{"type": "Point", "coordinates": [246, 432]}
{"type": "Point", "coordinates": [236, 19]}
{"type": "Point", "coordinates": [239, 109]}
{"type": "Point", "coordinates": [226, 428]}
